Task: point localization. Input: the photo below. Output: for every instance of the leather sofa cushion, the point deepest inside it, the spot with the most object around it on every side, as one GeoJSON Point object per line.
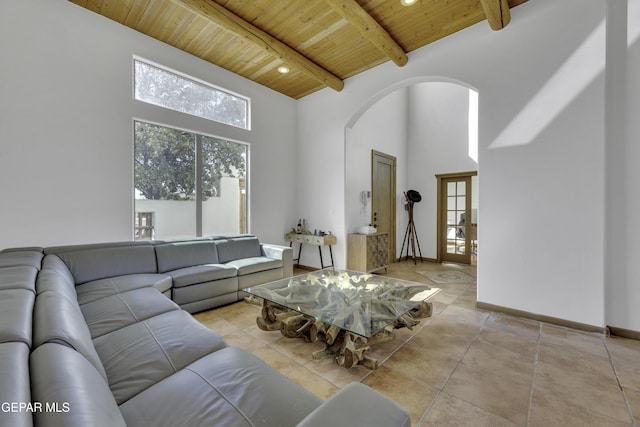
{"type": "Point", "coordinates": [61, 375]}
{"type": "Point", "coordinates": [94, 290]}
{"type": "Point", "coordinates": [173, 256]}
{"type": "Point", "coordinates": [30, 258]}
{"type": "Point", "coordinates": [21, 277]}
{"type": "Point", "coordinates": [228, 250]}
{"type": "Point", "coordinates": [14, 371]}
{"type": "Point", "coordinates": [201, 274]}
{"type": "Point", "coordinates": [53, 262]}
{"type": "Point", "coordinates": [230, 387]}
{"type": "Point", "coordinates": [255, 264]}
{"type": "Point", "coordinates": [357, 398]}
{"type": "Point", "coordinates": [100, 263]}
{"type": "Point", "coordinates": [202, 291]}
{"type": "Point", "coordinates": [16, 308]}
{"type": "Point", "coordinates": [52, 280]}
{"type": "Point", "coordinates": [139, 355]}
{"type": "Point", "coordinates": [58, 319]}
{"type": "Point", "coordinates": [117, 311]}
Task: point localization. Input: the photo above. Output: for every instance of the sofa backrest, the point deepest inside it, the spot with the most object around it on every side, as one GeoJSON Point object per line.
{"type": "Point", "coordinates": [102, 262]}
{"type": "Point", "coordinates": [58, 319]}
{"type": "Point", "coordinates": [243, 247]}
{"type": "Point", "coordinates": [172, 256]}
{"type": "Point", "coordinates": [14, 371]}
{"type": "Point", "coordinates": [79, 395]}
{"type": "Point", "coordinates": [27, 257]}
{"type": "Point", "coordinates": [17, 296]}
{"type": "Point", "coordinates": [56, 265]}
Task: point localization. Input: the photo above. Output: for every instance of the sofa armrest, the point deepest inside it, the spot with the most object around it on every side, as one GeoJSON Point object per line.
{"type": "Point", "coordinates": [358, 404]}
{"type": "Point", "coordinates": [285, 253]}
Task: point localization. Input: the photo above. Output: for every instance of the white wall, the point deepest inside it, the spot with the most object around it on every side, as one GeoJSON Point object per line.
{"type": "Point", "coordinates": [438, 144]}
{"type": "Point", "coordinates": [66, 113]}
{"type": "Point", "coordinates": [623, 152]}
{"type": "Point", "coordinates": [382, 128]}
{"type": "Point", "coordinates": [175, 219]}
{"type": "Point", "coordinates": [535, 193]}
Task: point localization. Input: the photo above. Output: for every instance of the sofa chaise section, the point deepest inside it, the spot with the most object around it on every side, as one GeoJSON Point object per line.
{"type": "Point", "coordinates": [200, 282]}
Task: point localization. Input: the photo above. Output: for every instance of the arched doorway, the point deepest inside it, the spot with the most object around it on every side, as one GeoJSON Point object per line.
{"type": "Point", "coordinates": [425, 124]}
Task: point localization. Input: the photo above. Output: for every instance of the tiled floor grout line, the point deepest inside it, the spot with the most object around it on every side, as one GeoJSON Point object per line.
{"type": "Point", "coordinates": [533, 376]}
{"type": "Point", "coordinates": [458, 362]}
{"type": "Point", "coordinates": [615, 373]}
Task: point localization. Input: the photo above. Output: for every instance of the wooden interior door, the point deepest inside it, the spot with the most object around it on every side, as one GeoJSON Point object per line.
{"type": "Point", "coordinates": [455, 218]}
{"type": "Point", "coordinates": [383, 197]}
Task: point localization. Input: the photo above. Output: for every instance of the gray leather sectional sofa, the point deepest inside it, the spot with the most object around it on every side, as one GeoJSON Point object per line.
{"type": "Point", "coordinates": [101, 335]}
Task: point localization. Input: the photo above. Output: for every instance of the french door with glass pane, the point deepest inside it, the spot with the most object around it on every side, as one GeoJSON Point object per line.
{"type": "Point", "coordinates": [454, 217]}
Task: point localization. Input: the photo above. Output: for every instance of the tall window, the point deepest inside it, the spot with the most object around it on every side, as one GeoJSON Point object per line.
{"type": "Point", "coordinates": [157, 86]}
{"type": "Point", "coordinates": [189, 184]}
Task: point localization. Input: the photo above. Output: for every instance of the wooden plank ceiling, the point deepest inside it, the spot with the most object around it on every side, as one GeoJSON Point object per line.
{"type": "Point", "coordinates": [322, 42]}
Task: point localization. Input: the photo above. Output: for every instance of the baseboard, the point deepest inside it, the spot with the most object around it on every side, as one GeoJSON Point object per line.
{"type": "Point", "coordinates": [305, 267]}
{"type": "Point", "coordinates": [624, 333]}
{"type": "Point", "coordinates": [421, 259]}
{"type": "Point", "coordinates": [542, 318]}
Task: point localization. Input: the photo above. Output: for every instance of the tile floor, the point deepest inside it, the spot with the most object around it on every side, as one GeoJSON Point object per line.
{"type": "Point", "coordinates": [465, 366]}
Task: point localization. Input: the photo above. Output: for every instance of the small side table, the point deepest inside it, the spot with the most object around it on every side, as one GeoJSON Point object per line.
{"type": "Point", "coordinates": [312, 239]}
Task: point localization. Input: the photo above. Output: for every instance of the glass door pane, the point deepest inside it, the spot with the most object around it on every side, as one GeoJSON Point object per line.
{"type": "Point", "coordinates": [455, 241]}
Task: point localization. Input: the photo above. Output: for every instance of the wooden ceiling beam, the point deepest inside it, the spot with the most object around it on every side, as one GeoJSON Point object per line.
{"type": "Point", "coordinates": [353, 13]}
{"type": "Point", "coordinates": [497, 13]}
{"type": "Point", "coordinates": [221, 16]}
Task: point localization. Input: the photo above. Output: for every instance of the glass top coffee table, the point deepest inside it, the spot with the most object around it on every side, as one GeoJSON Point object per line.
{"type": "Point", "coordinates": [346, 310]}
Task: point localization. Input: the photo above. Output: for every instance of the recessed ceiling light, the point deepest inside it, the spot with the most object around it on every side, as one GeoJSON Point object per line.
{"type": "Point", "coordinates": [408, 2]}
{"type": "Point", "coordinates": [283, 69]}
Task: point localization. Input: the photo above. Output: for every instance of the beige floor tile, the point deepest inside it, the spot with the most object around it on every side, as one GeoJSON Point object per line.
{"type": "Point", "coordinates": [451, 411]}
{"type": "Point", "coordinates": [413, 395]}
{"type": "Point", "coordinates": [625, 354]}
{"type": "Point", "coordinates": [446, 344]}
{"type": "Point", "coordinates": [278, 361]}
{"type": "Point", "coordinates": [633, 397]}
{"type": "Point", "coordinates": [466, 301]}
{"type": "Point", "coordinates": [589, 368]}
{"type": "Point", "coordinates": [336, 374]}
{"type": "Point", "coordinates": [220, 325]}
{"type": "Point", "coordinates": [577, 387]}
{"type": "Point", "coordinates": [482, 361]}
{"type": "Point", "coordinates": [500, 362]}
{"type": "Point", "coordinates": [523, 344]}
{"type": "Point", "coordinates": [516, 325]}
{"type": "Point", "coordinates": [547, 411]}
{"type": "Point", "coordinates": [582, 341]}
{"type": "Point", "coordinates": [297, 348]}
{"type": "Point", "coordinates": [239, 338]}
{"type": "Point", "coordinates": [313, 382]}
{"type": "Point", "coordinates": [466, 315]}
{"type": "Point", "coordinates": [424, 366]}
{"type": "Point", "coordinates": [629, 376]}
{"type": "Point", "coordinates": [490, 392]}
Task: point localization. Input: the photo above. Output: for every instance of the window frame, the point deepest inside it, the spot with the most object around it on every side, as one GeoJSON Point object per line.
{"type": "Point", "coordinates": [197, 146]}
{"type": "Point", "coordinates": [196, 80]}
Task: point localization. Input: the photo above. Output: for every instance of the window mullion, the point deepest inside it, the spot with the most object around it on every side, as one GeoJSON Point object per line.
{"type": "Point", "coordinates": [199, 192]}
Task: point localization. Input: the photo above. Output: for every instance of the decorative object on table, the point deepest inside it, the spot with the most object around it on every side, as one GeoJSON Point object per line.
{"type": "Point", "coordinates": [410, 235]}
{"type": "Point", "coordinates": [367, 229]}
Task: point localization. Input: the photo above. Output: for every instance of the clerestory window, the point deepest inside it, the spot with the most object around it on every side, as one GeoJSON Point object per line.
{"type": "Point", "coordinates": [159, 86]}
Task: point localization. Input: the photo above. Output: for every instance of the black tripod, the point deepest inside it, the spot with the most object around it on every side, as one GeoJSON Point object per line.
{"type": "Point", "coordinates": [410, 236]}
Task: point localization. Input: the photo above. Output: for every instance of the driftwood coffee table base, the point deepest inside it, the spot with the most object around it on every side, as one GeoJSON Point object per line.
{"type": "Point", "coordinates": [347, 348]}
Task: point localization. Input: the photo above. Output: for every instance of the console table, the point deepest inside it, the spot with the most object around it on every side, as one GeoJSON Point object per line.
{"type": "Point", "coordinates": [312, 239]}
